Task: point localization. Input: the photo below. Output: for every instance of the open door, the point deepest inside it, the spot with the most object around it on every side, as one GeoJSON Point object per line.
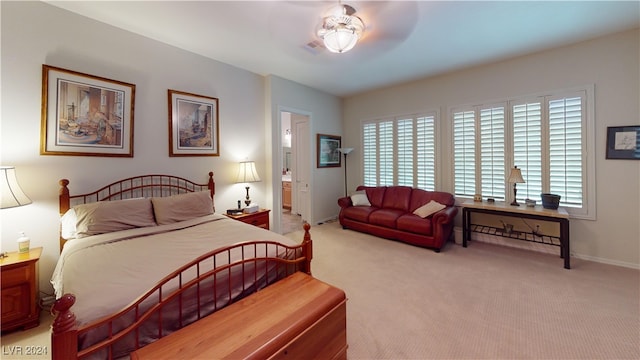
{"type": "Point", "coordinates": [300, 144]}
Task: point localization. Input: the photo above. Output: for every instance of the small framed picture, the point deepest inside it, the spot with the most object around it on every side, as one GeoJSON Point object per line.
{"type": "Point", "coordinates": [327, 152]}
{"type": "Point", "coordinates": [85, 115]}
{"type": "Point", "coordinates": [623, 142]}
{"type": "Point", "coordinates": [193, 125]}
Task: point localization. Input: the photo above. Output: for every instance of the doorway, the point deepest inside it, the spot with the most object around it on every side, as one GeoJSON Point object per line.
{"type": "Point", "coordinates": [296, 163]}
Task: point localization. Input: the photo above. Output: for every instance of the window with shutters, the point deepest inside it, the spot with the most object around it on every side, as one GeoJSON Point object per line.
{"type": "Point", "coordinates": [400, 151]}
{"type": "Point", "coordinates": [544, 136]}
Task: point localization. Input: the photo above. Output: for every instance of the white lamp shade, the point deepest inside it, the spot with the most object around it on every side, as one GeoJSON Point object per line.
{"type": "Point", "coordinates": [247, 172]}
{"type": "Point", "coordinates": [11, 193]}
{"type": "Point", "coordinates": [515, 176]}
{"type": "Point", "coordinates": [345, 151]}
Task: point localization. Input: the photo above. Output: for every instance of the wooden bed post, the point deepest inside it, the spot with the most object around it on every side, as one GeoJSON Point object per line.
{"type": "Point", "coordinates": [64, 331]}
{"type": "Point", "coordinates": [308, 247]}
{"type": "Point", "coordinates": [64, 202]}
{"type": "Point", "coordinates": [212, 188]}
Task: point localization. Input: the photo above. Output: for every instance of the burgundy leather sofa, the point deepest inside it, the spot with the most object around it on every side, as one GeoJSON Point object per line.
{"type": "Point", "coordinates": [391, 215]}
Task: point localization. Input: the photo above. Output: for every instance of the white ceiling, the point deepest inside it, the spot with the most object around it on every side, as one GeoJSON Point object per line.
{"type": "Point", "coordinates": [404, 40]}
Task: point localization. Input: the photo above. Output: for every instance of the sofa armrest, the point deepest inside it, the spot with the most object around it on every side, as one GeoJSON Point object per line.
{"type": "Point", "coordinates": [443, 222]}
{"type": "Point", "coordinates": [445, 216]}
{"type": "Point", "coordinates": [345, 202]}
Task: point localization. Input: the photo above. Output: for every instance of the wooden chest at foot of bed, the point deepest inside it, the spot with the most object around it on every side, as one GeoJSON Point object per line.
{"type": "Point", "coordinates": [298, 317]}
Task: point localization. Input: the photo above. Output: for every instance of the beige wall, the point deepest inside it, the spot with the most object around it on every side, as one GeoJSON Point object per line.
{"type": "Point", "coordinates": [35, 33]}
{"type": "Point", "coordinates": [610, 63]}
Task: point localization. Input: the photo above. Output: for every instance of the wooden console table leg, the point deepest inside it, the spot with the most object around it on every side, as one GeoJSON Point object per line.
{"type": "Point", "coordinates": [565, 251]}
{"type": "Point", "coordinates": [466, 221]}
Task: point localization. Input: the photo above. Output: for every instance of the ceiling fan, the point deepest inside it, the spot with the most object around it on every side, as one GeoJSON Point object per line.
{"type": "Point", "coordinates": [385, 24]}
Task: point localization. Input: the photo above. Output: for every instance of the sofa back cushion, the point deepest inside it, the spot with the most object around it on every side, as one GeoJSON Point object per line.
{"type": "Point", "coordinates": [397, 197]}
{"type": "Point", "coordinates": [420, 197]}
{"type": "Point", "coordinates": [374, 193]}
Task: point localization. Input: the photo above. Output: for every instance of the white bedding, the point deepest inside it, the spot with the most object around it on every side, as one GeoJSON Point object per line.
{"type": "Point", "coordinates": [106, 272]}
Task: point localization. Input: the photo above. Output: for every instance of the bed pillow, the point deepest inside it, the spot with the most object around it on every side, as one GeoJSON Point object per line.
{"type": "Point", "coordinates": [182, 207]}
{"type": "Point", "coordinates": [359, 198]}
{"type": "Point", "coordinates": [68, 224]}
{"type": "Point", "coordinates": [108, 216]}
{"type": "Point", "coordinates": [429, 209]}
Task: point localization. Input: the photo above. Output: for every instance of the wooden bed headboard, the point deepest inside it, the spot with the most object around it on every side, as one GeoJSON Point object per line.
{"type": "Point", "coordinates": [133, 187]}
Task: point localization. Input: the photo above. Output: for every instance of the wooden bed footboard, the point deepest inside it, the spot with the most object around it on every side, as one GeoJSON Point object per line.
{"type": "Point", "coordinates": [199, 277]}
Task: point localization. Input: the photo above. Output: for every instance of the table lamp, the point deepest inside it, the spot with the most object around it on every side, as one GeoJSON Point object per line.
{"type": "Point", "coordinates": [515, 177]}
{"type": "Point", "coordinates": [247, 174]}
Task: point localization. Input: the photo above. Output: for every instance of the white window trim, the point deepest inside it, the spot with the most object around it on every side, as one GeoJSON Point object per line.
{"type": "Point", "coordinates": [437, 139]}
{"type": "Point", "coordinates": [588, 211]}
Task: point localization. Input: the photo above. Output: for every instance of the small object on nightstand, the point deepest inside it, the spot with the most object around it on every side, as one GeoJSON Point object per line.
{"type": "Point", "coordinates": [234, 212]}
{"type": "Point", "coordinates": [251, 209]}
{"type": "Point", "coordinates": [23, 243]}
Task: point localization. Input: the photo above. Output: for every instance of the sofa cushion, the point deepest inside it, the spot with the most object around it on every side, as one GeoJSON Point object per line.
{"type": "Point", "coordinates": [358, 213]}
{"type": "Point", "coordinates": [421, 197]}
{"type": "Point", "coordinates": [429, 209]}
{"type": "Point", "coordinates": [359, 198]}
{"type": "Point", "coordinates": [415, 224]}
{"type": "Point", "coordinates": [374, 194]}
{"type": "Point", "coordinates": [397, 197]}
{"type": "Point", "coordinates": [385, 217]}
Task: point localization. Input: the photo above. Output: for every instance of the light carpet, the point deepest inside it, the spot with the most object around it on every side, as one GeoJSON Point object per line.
{"type": "Point", "coordinates": [482, 302]}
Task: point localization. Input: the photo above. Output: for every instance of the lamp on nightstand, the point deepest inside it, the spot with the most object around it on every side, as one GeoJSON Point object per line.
{"type": "Point", "coordinates": [247, 174]}
{"type": "Point", "coordinates": [10, 191]}
{"type": "Point", "coordinates": [515, 177]}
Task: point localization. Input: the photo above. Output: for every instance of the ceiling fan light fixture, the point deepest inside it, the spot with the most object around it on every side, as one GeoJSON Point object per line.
{"type": "Point", "coordinates": [341, 31]}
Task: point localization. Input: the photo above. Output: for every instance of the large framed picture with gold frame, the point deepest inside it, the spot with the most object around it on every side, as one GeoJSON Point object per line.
{"type": "Point", "coordinates": [85, 115]}
{"type": "Point", "coordinates": [193, 125]}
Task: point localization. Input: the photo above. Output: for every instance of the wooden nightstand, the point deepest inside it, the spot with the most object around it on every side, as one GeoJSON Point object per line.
{"type": "Point", "coordinates": [19, 283]}
{"type": "Point", "coordinates": [259, 218]}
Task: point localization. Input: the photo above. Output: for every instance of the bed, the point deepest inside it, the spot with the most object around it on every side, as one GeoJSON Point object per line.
{"type": "Point", "coordinates": [145, 256]}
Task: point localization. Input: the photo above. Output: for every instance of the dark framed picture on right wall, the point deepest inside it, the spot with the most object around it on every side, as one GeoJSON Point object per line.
{"type": "Point", "coordinates": [623, 142]}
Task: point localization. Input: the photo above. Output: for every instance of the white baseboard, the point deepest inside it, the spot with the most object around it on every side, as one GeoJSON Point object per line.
{"type": "Point", "coordinates": [547, 249]}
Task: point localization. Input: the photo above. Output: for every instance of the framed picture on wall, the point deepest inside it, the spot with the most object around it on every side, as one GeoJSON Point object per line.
{"type": "Point", "coordinates": [193, 125]}
{"type": "Point", "coordinates": [85, 115]}
{"type": "Point", "coordinates": [623, 142]}
{"type": "Point", "coordinates": [328, 154]}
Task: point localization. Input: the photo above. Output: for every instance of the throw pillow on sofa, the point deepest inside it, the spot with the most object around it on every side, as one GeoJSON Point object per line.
{"type": "Point", "coordinates": [429, 208]}
{"type": "Point", "coordinates": [359, 198]}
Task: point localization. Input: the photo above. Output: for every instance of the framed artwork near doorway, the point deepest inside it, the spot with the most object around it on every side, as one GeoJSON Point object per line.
{"type": "Point", "coordinates": [327, 151]}
{"type": "Point", "coordinates": [193, 125]}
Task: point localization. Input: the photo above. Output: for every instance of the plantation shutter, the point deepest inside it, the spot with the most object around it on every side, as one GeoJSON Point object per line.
{"type": "Point", "coordinates": [426, 156]}
{"type": "Point", "coordinates": [527, 148]}
{"type": "Point", "coordinates": [464, 153]}
{"type": "Point", "coordinates": [400, 151]}
{"type": "Point", "coordinates": [405, 152]}
{"type": "Point", "coordinates": [565, 149]}
{"type": "Point", "coordinates": [492, 151]}
{"type": "Point", "coordinates": [370, 154]}
{"type": "Point", "coordinates": [385, 153]}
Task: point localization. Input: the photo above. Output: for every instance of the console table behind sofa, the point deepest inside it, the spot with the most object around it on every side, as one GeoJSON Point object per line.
{"type": "Point", "coordinates": [559, 216]}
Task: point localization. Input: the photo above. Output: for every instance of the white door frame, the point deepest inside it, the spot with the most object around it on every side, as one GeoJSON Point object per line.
{"type": "Point", "coordinates": [278, 165]}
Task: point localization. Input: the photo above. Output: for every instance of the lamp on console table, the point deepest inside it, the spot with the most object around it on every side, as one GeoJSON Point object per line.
{"type": "Point", "coordinates": [247, 174]}
{"type": "Point", "coordinates": [515, 177]}
{"type": "Point", "coordinates": [346, 152]}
